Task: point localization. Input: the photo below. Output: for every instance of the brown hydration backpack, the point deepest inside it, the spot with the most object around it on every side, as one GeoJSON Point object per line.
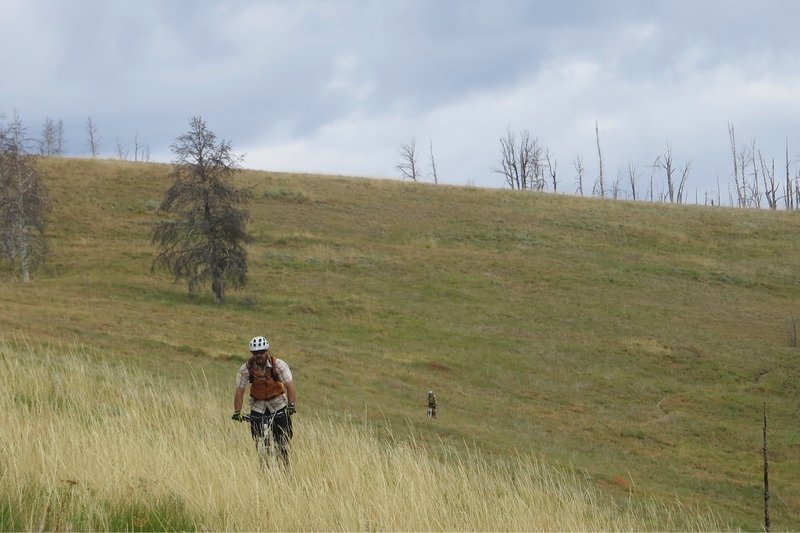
{"type": "Point", "coordinates": [264, 385]}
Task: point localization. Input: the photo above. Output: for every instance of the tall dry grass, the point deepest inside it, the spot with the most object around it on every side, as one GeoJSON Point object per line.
{"type": "Point", "coordinates": [91, 445]}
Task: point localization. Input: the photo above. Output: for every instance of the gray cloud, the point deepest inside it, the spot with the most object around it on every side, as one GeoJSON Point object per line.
{"type": "Point", "coordinates": [337, 86]}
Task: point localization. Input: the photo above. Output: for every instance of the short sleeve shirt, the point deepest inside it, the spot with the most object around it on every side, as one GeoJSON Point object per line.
{"type": "Point", "coordinates": [284, 375]}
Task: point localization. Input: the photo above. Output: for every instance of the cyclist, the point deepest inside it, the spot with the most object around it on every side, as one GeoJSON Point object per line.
{"type": "Point", "coordinates": [272, 395]}
{"type": "Point", "coordinates": [431, 404]}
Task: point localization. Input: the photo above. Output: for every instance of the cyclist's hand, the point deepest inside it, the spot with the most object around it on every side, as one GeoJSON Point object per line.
{"type": "Point", "coordinates": [237, 416]}
{"type": "Point", "coordinates": [290, 409]}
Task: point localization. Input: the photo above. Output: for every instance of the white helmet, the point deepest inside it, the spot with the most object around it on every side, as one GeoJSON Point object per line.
{"type": "Point", "coordinates": [258, 344]}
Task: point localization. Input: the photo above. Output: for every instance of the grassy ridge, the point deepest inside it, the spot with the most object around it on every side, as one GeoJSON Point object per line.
{"type": "Point", "coordinates": [170, 459]}
{"type": "Point", "coordinates": [637, 342]}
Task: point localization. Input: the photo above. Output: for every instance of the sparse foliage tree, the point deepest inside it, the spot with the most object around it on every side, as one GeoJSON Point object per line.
{"type": "Point", "coordinates": [92, 139]}
{"type": "Point", "coordinates": [522, 162]}
{"type": "Point", "coordinates": [23, 202]}
{"type": "Point", "coordinates": [205, 235]}
{"type": "Point", "coordinates": [408, 166]}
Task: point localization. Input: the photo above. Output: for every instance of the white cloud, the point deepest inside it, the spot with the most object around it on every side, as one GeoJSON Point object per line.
{"type": "Point", "coordinates": [346, 79]}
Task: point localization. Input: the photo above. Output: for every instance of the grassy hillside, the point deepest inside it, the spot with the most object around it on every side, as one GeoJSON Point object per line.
{"type": "Point", "coordinates": [633, 341]}
{"type": "Point", "coordinates": [141, 467]}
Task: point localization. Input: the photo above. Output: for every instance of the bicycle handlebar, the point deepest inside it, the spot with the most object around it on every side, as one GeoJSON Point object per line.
{"type": "Point", "coordinates": [248, 418]}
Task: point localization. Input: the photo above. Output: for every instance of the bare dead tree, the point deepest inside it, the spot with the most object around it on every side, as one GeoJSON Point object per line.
{"type": "Point", "coordinates": [581, 172]}
{"type": "Point", "coordinates": [552, 168]}
{"type": "Point", "coordinates": [788, 197]}
{"type": "Point", "coordinates": [665, 162]}
{"type": "Point", "coordinates": [770, 185]}
{"type": "Point", "coordinates": [743, 163]}
{"type": "Point", "coordinates": [92, 139]}
{"type": "Point", "coordinates": [59, 147]}
{"type": "Point", "coordinates": [754, 187]}
{"type": "Point", "coordinates": [600, 158]}
{"type": "Point", "coordinates": [408, 166]}
{"type": "Point", "coordinates": [797, 191]}
{"type": "Point", "coordinates": [748, 172]}
{"type": "Point", "coordinates": [632, 177]}
{"type": "Point", "coordinates": [122, 151]}
{"type": "Point", "coordinates": [52, 139]}
{"type": "Point", "coordinates": [675, 189]}
{"type": "Point", "coordinates": [687, 167]}
{"type": "Point", "coordinates": [745, 172]}
{"type": "Point", "coordinates": [766, 475]}
{"type": "Point", "coordinates": [522, 162]}
{"type": "Point", "coordinates": [739, 188]}
{"type": "Point", "coordinates": [508, 161]}
{"type": "Point", "coordinates": [434, 174]}
{"type": "Point", "coordinates": [137, 148]}
{"type": "Point", "coordinates": [141, 152]}
{"type": "Point", "coordinates": [23, 201]}
{"type": "Point", "coordinates": [616, 186]}
{"type": "Point", "coordinates": [60, 141]}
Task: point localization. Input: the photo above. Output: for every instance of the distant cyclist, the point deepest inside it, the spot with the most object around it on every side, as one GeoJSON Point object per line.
{"type": "Point", "coordinates": [272, 395]}
{"type": "Point", "coordinates": [431, 404]}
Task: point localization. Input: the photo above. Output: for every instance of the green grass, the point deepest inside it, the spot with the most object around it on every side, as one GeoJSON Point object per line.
{"type": "Point", "coordinates": [636, 342]}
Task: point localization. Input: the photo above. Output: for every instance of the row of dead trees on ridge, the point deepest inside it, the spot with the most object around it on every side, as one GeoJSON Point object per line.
{"type": "Point", "coordinates": [526, 164]}
{"type": "Point", "coordinates": [24, 202]}
{"type": "Point", "coordinates": [52, 143]}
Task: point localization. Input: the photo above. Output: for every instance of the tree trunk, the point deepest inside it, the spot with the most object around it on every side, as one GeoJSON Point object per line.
{"type": "Point", "coordinates": [600, 157]}
{"type": "Point", "coordinates": [216, 287]}
{"type": "Point", "coordinates": [766, 475]}
{"type": "Point", "coordinates": [21, 234]}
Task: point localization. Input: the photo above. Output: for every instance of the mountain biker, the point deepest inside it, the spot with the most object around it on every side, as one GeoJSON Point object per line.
{"type": "Point", "coordinates": [431, 404]}
{"type": "Point", "coordinates": [272, 394]}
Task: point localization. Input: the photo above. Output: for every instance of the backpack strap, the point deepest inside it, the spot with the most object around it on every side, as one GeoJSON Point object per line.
{"type": "Point", "coordinates": [273, 373]}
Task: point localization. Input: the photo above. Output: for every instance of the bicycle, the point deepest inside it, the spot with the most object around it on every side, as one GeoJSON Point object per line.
{"type": "Point", "coordinates": [270, 453]}
{"type": "Point", "coordinates": [431, 411]}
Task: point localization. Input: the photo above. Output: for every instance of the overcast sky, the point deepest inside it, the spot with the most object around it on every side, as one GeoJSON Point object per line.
{"type": "Point", "coordinates": [337, 86]}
